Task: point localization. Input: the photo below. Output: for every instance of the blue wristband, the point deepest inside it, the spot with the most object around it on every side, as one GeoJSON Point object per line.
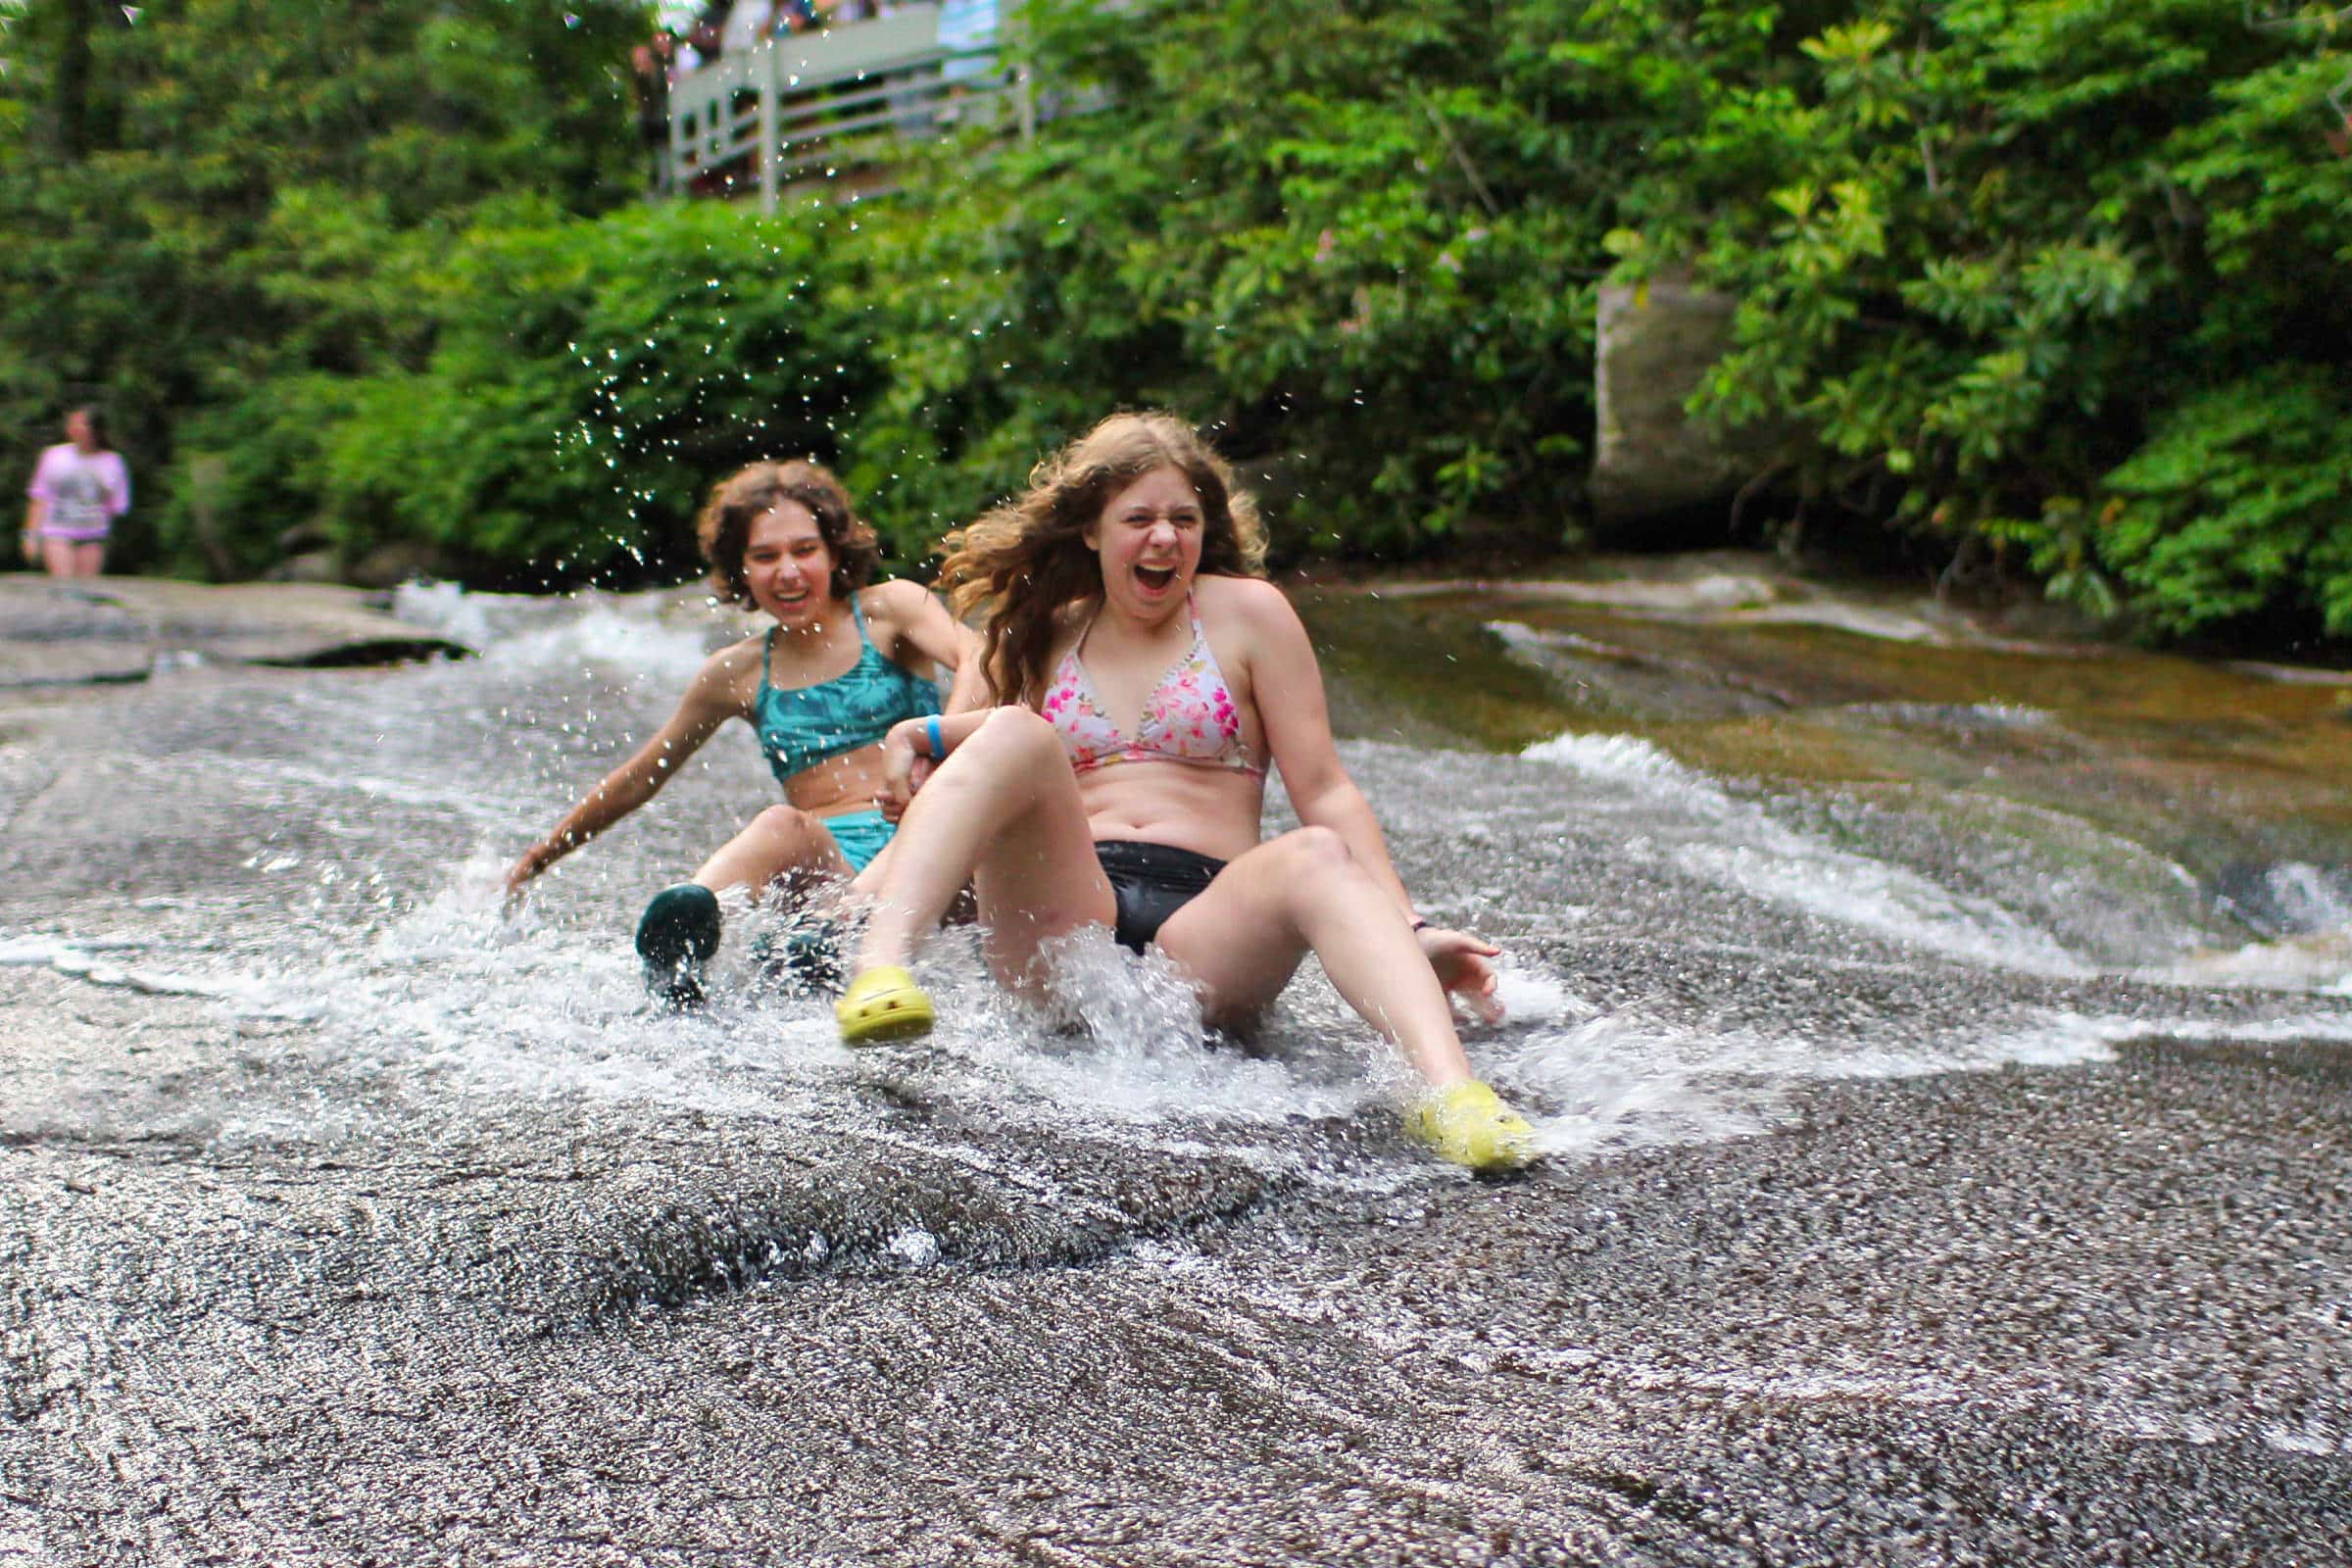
{"type": "Point", "coordinates": [939, 746]}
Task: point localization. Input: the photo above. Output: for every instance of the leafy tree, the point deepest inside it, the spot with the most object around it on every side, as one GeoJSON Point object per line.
{"type": "Point", "coordinates": [2053, 282]}
{"type": "Point", "coordinates": [226, 193]}
{"type": "Point", "coordinates": [1996, 258]}
{"type": "Point", "coordinates": [588, 379]}
{"type": "Point", "coordinates": [1329, 230]}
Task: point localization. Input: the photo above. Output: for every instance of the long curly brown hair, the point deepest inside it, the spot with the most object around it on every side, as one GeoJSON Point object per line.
{"type": "Point", "coordinates": [1023, 563]}
{"type": "Point", "coordinates": [724, 526]}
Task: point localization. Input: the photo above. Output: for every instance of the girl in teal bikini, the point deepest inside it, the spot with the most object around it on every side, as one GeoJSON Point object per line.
{"type": "Point", "coordinates": [843, 662]}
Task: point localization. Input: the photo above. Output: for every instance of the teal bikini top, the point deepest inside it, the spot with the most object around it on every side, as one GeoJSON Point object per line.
{"type": "Point", "coordinates": [804, 725]}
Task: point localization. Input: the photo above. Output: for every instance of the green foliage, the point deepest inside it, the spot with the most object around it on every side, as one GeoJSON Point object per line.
{"type": "Point", "coordinates": [2239, 505]}
{"type": "Point", "coordinates": [1329, 231]}
{"type": "Point", "coordinates": [2060, 277]}
{"type": "Point", "coordinates": [588, 381]}
{"type": "Point", "coordinates": [2008, 261]}
{"type": "Point", "coordinates": [214, 206]}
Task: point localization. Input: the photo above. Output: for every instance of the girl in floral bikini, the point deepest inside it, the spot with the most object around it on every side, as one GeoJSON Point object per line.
{"type": "Point", "coordinates": [1148, 676]}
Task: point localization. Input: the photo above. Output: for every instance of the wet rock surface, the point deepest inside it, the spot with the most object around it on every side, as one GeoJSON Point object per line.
{"type": "Point", "coordinates": [1901, 1207]}
{"type": "Point", "coordinates": [1987, 1318]}
{"type": "Point", "coordinates": [115, 630]}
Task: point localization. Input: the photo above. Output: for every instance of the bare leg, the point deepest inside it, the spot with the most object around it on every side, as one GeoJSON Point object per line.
{"type": "Point", "coordinates": [1002, 811]}
{"type": "Point", "coordinates": [782, 843]}
{"type": "Point", "coordinates": [90, 559]}
{"type": "Point", "coordinates": [869, 883]}
{"type": "Point", "coordinates": [679, 931]}
{"type": "Point", "coordinates": [58, 556]}
{"type": "Point", "coordinates": [1305, 891]}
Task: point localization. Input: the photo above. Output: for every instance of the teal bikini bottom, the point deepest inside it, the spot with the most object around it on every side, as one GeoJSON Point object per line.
{"type": "Point", "coordinates": [861, 835]}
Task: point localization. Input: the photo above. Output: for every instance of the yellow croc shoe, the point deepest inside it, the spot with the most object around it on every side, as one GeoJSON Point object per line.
{"type": "Point", "coordinates": [1468, 1124]}
{"type": "Point", "coordinates": [883, 1003]}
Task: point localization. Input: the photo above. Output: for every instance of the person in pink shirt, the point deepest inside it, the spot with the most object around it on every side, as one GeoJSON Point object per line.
{"type": "Point", "coordinates": [78, 489]}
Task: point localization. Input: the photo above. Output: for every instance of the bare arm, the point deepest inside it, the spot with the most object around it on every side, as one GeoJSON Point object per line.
{"type": "Point", "coordinates": [1287, 688]}
{"type": "Point", "coordinates": [923, 625]}
{"type": "Point", "coordinates": [971, 692]}
{"type": "Point", "coordinates": [36, 510]}
{"type": "Point", "coordinates": [907, 755]}
{"type": "Point", "coordinates": [709, 702]}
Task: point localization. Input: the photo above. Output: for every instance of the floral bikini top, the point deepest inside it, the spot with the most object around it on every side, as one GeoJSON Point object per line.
{"type": "Point", "coordinates": [1189, 716]}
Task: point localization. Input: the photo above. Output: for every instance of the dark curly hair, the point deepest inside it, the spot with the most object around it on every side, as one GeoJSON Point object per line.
{"type": "Point", "coordinates": [724, 528]}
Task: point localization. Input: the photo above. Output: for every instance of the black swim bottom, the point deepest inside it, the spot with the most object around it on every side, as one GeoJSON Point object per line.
{"type": "Point", "coordinates": [1152, 881]}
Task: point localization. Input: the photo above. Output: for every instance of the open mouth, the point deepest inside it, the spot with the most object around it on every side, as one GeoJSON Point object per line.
{"type": "Point", "coordinates": [1155, 577]}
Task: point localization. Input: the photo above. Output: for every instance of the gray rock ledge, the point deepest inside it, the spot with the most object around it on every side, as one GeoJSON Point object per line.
{"type": "Point", "coordinates": [115, 630]}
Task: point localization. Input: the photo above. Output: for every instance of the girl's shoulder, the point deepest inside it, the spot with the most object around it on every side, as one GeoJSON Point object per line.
{"type": "Point", "coordinates": [1248, 602]}
{"type": "Point", "coordinates": [727, 686]}
{"type": "Point", "coordinates": [892, 599]}
{"type": "Point", "coordinates": [736, 667]}
{"type": "Point", "coordinates": [895, 611]}
{"type": "Point", "coordinates": [1248, 620]}
{"type": "Point", "coordinates": [66, 455]}
{"type": "Point", "coordinates": [1066, 625]}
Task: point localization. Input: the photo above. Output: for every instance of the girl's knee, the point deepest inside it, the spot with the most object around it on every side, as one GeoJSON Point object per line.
{"type": "Point", "coordinates": [1312, 848]}
{"type": "Point", "coordinates": [1016, 727]}
{"type": "Point", "coordinates": [787, 827]}
{"type": "Point", "coordinates": [1308, 868]}
{"type": "Point", "coordinates": [1009, 739]}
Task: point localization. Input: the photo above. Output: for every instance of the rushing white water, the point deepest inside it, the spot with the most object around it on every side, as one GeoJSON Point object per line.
{"type": "Point", "coordinates": [400, 951]}
{"type": "Point", "coordinates": [1977, 1145]}
{"type": "Point", "coordinates": [1703, 831]}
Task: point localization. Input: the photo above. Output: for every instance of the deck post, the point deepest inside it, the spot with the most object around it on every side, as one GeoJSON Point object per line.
{"type": "Point", "coordinates": [769, 153]}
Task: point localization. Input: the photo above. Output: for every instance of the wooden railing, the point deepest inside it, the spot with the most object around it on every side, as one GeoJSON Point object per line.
{"type": "Point", "coordinates": [820, 110]}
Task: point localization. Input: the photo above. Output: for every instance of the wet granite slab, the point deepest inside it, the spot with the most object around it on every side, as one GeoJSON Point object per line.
{"type": "Point", "coordinates": [116, 629]}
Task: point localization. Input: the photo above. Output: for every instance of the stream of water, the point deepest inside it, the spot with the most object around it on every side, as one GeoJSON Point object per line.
{"type": "Point", "coordinates": [1942, 1077]}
